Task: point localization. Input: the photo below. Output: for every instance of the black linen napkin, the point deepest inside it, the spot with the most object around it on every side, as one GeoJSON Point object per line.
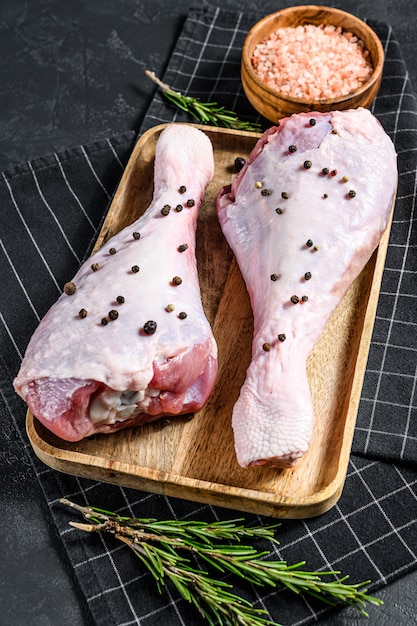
{"type": "Point", "coordinates": [54, 208]}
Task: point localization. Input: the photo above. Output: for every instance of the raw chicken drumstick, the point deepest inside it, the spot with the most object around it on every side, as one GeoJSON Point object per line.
{"type": "Point", "coordinates": [303, 217]}
{"type": "Point", "coordinates": [128, 342]}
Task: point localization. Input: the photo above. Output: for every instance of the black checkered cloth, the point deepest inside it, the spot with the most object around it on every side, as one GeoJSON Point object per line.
{"type": "Point", "coordinates": [55, 206]}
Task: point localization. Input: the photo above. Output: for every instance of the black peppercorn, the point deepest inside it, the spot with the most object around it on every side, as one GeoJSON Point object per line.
{"type": "Point", "coordinates": [120, 299]}
{"type": "Point", "coordinates": [239, 163]}
{"type": "Point", "coordinates": [112, 251]}
{"type": "Point", "coordinates": [135, 269]}
{"type": "Point", "coordinates": [292, 148]}
{"type": "Point", "coordinates": [113, 315]}
{"type": "Point", "coordinates": [149, 327]}
{"type": "Point", "coordinates": [136, 235]}
{"type": "Point", "coordinates": [82, 313]}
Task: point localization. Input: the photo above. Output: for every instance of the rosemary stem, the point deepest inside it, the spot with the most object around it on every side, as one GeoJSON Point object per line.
{"type": "Point", "coordinates": [205, 112]}
{"type": "Point", "coordinates": [156, 80]}
{"type": "Point", "coordinates": [86, 511]}
{"type": "Point", "coordinates": [162, 547]}
{"type": "Point", "coordinates": [88, 528]}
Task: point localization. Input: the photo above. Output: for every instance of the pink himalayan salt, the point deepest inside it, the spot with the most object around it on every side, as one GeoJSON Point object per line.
{"type": "Point", "coordinates": [312, 62]}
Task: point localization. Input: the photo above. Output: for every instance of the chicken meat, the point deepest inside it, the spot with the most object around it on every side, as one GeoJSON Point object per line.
{"type": "Point", "coordinates": [128, 342]}
{"type": "Point", "coordinates": [302, 217]}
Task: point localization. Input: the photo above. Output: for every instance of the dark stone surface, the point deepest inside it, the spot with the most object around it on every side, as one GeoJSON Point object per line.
{"type": "Point", "coordinates": [70, 73]}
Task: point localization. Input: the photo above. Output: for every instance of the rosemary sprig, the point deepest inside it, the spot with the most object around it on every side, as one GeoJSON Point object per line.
{"type": "Point", "coordinates": [158, 545]}
{"type": "Point", "coordinates": [205, 112]}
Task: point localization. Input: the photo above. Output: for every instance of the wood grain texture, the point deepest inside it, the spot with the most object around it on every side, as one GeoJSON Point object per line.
{"type": "Point", "coordinates": [192, 457]}
{"type": "Point", "coordinates": [273, 105]}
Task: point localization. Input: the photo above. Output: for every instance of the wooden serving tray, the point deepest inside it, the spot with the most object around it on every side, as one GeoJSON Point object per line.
{"type": "Point", "coordinates": [194, 458]}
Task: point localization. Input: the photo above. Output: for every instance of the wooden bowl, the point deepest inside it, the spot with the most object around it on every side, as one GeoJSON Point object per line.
{"type": "Point", "coordinates": [274, 105]}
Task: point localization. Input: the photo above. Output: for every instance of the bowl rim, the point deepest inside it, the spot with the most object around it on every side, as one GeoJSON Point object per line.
{"type": "Point", "coordinates": [375, 76]}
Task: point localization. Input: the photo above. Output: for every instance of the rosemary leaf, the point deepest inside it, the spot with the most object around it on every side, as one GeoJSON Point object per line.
{"type": "Point", "coordinates": [162, 547]}
{"type": "Point", "coordinates": [205, 112]}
